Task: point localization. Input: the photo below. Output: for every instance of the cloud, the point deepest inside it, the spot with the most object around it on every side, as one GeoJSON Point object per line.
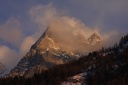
{"type": "Point", "coordinates": [43, 15]}
{"type": "Point", "coordinates": [64, 28]}
{"type": "Point", "coordinates": [107, 15]}
{"type": "Point", "coordinates": [112, 37]}
{"type": "Point", "coordinates": [11, 32]}
{"type": "Point", "coordinates": [26, 44]}
{"type": "Point", "coordinates": [72, 35]}
{"type": "Point", "coordinates": [67, 26]}
{"type": "Point", "coordinates": [8, 56]}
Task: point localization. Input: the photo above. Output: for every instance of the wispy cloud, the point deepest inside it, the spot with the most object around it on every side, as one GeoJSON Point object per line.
{"type": "Point", "coordinates": [8, 57]}
{"type": "Point", "coordinates": [26, 44]}
{"type": "Point", "coordinates": [11, 32]}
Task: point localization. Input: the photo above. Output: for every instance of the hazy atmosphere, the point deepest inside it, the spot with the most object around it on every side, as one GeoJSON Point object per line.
{"type": "Point", "coordinates": [23, 22]}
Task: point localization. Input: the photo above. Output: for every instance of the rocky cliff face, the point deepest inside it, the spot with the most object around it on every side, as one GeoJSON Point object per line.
{"type": "Point", "coordinates": [49, 51]}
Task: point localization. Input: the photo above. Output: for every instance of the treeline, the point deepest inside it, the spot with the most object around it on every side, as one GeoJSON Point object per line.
{"type": "Point", "coordinates": [109, 66]}
{"type": "Point", "coordinates": [52, 76]}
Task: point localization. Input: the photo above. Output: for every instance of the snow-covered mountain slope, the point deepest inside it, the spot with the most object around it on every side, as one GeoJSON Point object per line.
{"type": "Point", "coordinates": [49, 51]}
{"type": "Point", "coordinates": [2, 69]}
{"type": "Point", "coordinates": [78, 79]}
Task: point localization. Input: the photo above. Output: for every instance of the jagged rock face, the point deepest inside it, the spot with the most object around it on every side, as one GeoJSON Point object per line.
{"type": "Point", "coordinates": [94, 39]}
{"type": "Point", "coordinates": [47, 52]}
{"type": "Point", "coordinates": [2, 69]}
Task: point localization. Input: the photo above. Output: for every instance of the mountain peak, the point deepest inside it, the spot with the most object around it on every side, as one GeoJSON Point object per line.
{"type": "Point", "coordinates": [52, 48]}
{"type": "Point", "coordinates": [94, 39]}
{"type": "Point", "coordinates": [95, 35]}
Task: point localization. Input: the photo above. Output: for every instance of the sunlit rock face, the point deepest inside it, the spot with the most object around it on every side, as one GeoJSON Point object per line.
{"type": "Point", "coordinates": [52, 48]}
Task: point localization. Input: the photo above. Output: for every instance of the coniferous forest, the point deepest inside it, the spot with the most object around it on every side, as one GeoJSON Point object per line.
{"type": "Point", "coordinates": [108, 66]}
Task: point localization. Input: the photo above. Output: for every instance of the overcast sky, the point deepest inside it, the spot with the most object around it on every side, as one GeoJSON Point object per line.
{"type": "Point", "coordinates": [23, 21]}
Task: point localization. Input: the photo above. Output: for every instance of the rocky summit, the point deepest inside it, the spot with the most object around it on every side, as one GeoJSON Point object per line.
{"type": "Point", "coordinates": [48, 51]}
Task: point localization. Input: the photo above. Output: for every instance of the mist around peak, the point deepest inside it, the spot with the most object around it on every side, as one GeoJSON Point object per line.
{"type": "Point", "coordinates": [70, 35]}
